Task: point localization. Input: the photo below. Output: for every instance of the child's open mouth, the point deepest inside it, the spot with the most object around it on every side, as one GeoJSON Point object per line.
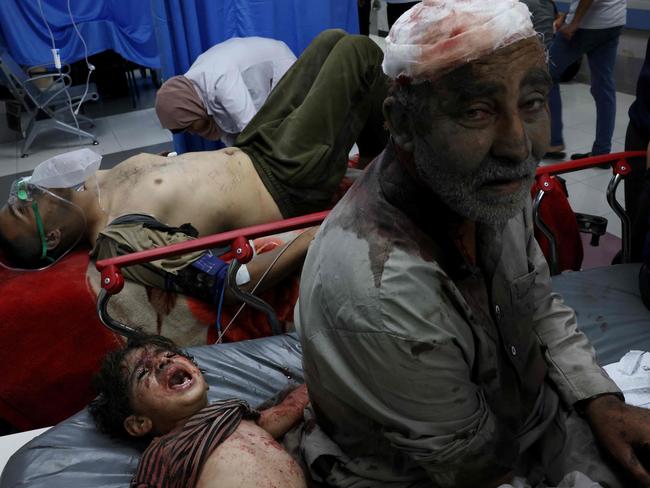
{"type": "Point", "coordinates": [178, 378]}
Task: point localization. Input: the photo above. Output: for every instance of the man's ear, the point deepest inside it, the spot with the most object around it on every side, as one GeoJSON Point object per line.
{"type": "Point", "coordinates": [53, 239]}
{"type": "Point", "coordinates": [137, 425]}
{"type": "Point", "coordinates": [399, 123]}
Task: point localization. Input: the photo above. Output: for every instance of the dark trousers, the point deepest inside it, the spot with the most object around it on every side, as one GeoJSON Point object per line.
{"type": "Point", "coordinates": [393, 12]}
{"type": "Point", "coordinates": [363, 6]}
{"type": "Point", "coordinates": [600, 47]}
{"type": "Point", "coordinates": [329, 99]}
{"type": "Point", "coordinates": [636, 198]}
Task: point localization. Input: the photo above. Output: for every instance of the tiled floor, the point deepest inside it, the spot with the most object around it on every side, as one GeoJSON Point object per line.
{"type": "Point", "coordinates": [115, 133]}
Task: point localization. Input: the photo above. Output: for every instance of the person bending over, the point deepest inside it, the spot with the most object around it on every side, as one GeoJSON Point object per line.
{"type": "Point", "coordinates": [224, 88]}
{"type": "Point", "coordinates": [289, 161]}
{"type": "Point", "coordinates": [152, 390]}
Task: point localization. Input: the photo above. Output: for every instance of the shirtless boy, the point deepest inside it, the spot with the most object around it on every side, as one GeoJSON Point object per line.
{"type": "Point", "coordinates": [288, 161]}
{"type": "Point", "coordinates": [151, 389]}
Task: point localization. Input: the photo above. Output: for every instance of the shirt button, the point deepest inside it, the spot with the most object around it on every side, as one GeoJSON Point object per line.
{"type": "Point", "coordinates": [513, 350]}
{"type": "Point", "coordinates": [497, 311]}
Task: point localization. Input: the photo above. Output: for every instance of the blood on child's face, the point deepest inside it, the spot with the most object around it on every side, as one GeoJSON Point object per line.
{"type": "Point", "coordinates": [486, 128]}
{"type": "Point", "coordinates": [164, 386]}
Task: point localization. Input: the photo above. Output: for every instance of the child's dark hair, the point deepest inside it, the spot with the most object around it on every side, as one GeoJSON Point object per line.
{"type": "Point", "coordinates": [113, 403]}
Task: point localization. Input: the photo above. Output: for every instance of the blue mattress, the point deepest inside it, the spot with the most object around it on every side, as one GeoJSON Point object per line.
{"type": "Point", "coordinates": [609, 309]}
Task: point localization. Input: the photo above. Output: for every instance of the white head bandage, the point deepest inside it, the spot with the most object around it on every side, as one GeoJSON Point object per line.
{"type": "Point", "coordinates": [436, 36]}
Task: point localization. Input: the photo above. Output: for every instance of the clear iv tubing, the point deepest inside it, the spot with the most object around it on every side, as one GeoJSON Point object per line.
{"type": "Point", "coordinates": [266, 272]}
{"type": "Point", "coordinates": [73, 110]}
{"type": "Point", "coordinates": [65, 88]}
{"type": "Point", "coordinates": [90, 67]}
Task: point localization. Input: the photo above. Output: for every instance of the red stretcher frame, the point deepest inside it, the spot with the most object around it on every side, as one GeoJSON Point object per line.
{"type": "Point", "coordinates": [620, 170]}
{"type": "Point", "coordinates": [112, 280]}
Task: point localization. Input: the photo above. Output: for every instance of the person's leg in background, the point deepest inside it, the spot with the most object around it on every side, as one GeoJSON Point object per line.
{"type": "Point", "coordinates": [300, 139]}
{"type": "Point", "coordinates": [395, 10]}
{"type": "Point", "coordinates": [603, 87]}
{"type": "Point", "coordinates": [363, 6]}
{"type": "Point", "coordinates": [293, 87]}
{"type": "Point", "coordinates": [562, 54]}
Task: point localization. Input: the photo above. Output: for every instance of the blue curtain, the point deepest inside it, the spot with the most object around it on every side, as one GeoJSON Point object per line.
{"type": "Point", "coordinates": [125, 26]}
{"type": "Point", "coordinates": [186, 28]}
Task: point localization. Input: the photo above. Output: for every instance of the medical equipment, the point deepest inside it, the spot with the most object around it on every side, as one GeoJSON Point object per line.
{"type": "Point", "coordinates": [112, 280]}
{"type": "Point", "coordinates": [24, 195]}
{"type": "Point", "coordinates": [29, 207]}
{"type": "Point", "coordinates": [57, 101]}
{"type": "Point", "coordinates": [48, 108]}
{"type": "Point", "coordinates": [90, 67]}
{"type": "Point", "coordinates": [56, 53]}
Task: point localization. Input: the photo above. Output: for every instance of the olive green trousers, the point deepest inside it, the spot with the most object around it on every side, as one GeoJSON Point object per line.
{"type": "Point", "coordinates": [300, 139]}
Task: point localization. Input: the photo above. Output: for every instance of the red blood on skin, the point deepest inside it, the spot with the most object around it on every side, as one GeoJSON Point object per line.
{"type": "Point", "coordinates": [272, 443]}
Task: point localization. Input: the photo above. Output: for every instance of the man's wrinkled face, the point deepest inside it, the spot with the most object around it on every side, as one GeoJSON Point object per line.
{"type": "Point", "coordinates": [488, 127]}
{"type": "Point", "coordinates": [164, 386]}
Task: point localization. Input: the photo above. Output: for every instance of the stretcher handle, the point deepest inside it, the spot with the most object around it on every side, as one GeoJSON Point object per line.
{"type": "Point", "coordinates": [620, 169]}
{"type": "Point", "coordinates": [546, 184]}
{"type": "Point", "coordinates": [115, 325]}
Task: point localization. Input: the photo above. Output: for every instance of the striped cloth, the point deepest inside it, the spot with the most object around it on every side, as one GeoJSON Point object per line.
{"type": "Point", "coordinates": [175, 459]}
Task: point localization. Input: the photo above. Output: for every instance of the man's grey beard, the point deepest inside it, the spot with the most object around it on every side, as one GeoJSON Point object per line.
{"type": "Point", "coordinates": [464, 193]}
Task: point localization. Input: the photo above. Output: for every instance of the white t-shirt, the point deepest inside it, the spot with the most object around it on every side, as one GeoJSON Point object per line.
{"type": "Point", "coordinates": [602, 14]}
{"type": "Point", "coordinates": [235, 77]}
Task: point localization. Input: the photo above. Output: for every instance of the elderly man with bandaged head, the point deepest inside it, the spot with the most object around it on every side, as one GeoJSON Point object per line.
{"type": "Point", "coordinates": [435, 352]}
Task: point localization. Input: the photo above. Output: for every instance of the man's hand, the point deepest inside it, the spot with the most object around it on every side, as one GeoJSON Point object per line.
{"type": "Point", "coordinates": [558, 22]}
{"type": "Point", "coordinates": [623, 430]}
{"type": "Point", "coordinates": [568, 30]}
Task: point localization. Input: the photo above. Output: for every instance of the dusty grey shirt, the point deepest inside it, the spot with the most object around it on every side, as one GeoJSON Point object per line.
{"type": "Point", "coordinates": [422, 370]}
